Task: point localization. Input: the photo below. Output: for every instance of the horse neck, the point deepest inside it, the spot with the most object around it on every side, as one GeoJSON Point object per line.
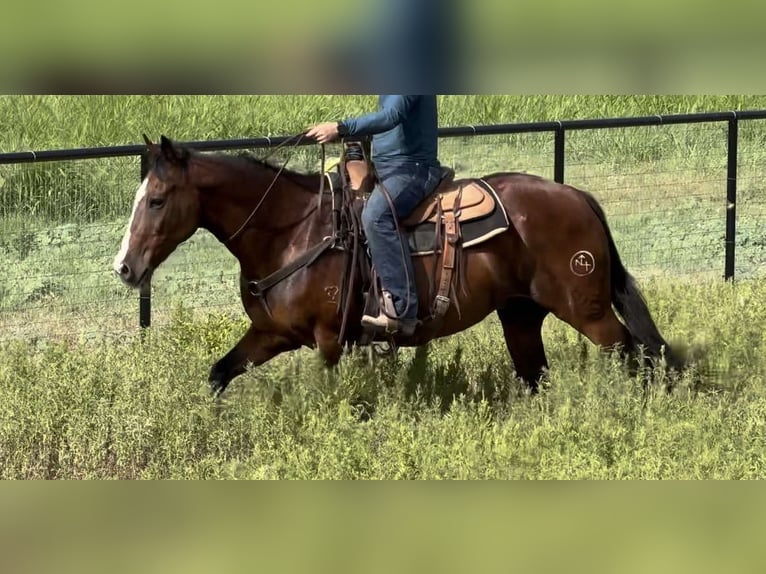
{"type": "Point", "coordinates": [282, 225]}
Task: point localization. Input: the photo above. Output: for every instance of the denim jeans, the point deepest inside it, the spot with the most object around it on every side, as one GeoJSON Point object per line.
{"type": "Point", "coordinates": [407, 185]}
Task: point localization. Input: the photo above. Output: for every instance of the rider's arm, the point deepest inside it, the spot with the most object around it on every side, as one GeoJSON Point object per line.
{"type": "Point", "coordinates": [393, 111]}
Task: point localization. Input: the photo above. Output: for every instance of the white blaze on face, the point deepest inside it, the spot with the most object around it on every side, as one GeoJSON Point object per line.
{"type": "Point", "coordinates": [118, 260]}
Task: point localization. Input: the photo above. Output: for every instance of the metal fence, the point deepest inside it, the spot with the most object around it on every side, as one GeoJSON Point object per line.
{"type": "Point", "coordinates": [684, 195]}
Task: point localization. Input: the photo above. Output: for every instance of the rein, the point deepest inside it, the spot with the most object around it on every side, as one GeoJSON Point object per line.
{"type": "Point", "coordinates": [259, 288]}
{"type": "Point", "coordinates": [299, 137]}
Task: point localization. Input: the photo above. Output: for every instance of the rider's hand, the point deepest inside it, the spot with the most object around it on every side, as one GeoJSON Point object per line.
{"type": "Point", "coordinates": [324, 133]}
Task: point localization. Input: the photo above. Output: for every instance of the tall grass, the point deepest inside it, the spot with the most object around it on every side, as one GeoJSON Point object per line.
{"type": "Point", "coordinates": [85, 191]}
{"type": "Point", "coordinates": [140, 408]}
{"type": "Point", "coordinates": [53, 122]}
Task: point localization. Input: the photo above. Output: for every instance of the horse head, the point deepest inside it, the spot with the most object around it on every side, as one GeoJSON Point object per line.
{"type": "Point", "coordinates": [166, 212]}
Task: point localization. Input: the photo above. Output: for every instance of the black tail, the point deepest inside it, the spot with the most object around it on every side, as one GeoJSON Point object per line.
{"type": "Point", "coordinates": [630, 303]}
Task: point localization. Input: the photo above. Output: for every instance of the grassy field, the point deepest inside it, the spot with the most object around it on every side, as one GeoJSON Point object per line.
{"type": "Point", "coordinates": [136, 409]}
{"type": "Point", "coordinates": [82, 396]}
{"type": "Point", "coordinates": [94, 190]}
{"type": "Point", "coordinates": [51, 122]}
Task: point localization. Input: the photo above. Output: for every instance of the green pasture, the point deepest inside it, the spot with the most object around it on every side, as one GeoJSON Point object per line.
{"type": "Point", "coordinates": [90, 191]}
{"type": "Point", "coordinates": [140, 409]}
{"type": "Point", "coordinates": [81, 395]}
{"type": "Point", "coordinates": [52, 122]}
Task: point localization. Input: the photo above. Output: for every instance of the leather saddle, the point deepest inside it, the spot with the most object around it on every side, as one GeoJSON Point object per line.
{"type": "Point", "coordinates": [450, 205]}
{"type": "Point", "coordinates": [466, 199]}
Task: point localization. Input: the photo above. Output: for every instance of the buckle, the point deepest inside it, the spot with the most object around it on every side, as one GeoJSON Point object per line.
{"type": "Point", "coordinates": [255, 289]}
{"type": "Point", "coordinates": [441, 305]}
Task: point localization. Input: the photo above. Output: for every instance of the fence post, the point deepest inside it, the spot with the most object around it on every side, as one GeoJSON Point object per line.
{"type": "Point", "coordinates": [558, 155]}
{"type": "Point", "coordinates": [731, 197]}
{"type": "Point", "coordinates": [145, 292]}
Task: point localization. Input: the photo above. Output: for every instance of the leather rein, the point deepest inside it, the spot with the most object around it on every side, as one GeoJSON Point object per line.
{"type": "Point", "coordinates": [273, 183]}
{"type": "Point", "coordinates": [259, 288]}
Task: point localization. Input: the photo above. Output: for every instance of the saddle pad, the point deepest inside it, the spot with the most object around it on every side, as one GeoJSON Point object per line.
{"type": "Point", "coordinates": [422, 237]}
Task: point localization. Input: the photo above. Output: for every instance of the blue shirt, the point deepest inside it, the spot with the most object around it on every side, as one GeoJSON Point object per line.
{"type": "Point", "coordinates": [404, 130]}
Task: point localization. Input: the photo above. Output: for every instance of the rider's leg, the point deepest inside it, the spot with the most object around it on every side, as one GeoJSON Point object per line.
{"type": "Point", "coordinates": [407, 187]}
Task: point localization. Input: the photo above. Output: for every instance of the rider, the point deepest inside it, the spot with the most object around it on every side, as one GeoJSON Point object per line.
{"type": "Point", "coordinates": [404, 153]}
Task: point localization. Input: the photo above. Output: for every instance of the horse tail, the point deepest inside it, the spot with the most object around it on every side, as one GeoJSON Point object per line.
{"type": "Point", "coordinates": [629, 301]}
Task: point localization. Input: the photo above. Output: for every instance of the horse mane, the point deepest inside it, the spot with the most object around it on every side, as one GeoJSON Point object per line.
{"type": "Point", "coordinates": [302, 179]}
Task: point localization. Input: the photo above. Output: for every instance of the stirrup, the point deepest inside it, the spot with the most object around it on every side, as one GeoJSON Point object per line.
{"type": "Point", "coordinates": [390, 326]}
{"type": "Point", "coordinates": [381, 323]}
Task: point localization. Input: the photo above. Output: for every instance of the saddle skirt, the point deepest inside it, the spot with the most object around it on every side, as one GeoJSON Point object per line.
{"type": "Point", "coordinates": [473, 202]}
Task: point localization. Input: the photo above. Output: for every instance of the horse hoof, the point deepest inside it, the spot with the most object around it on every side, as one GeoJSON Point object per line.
{"type": "Point", "coordinates": [382, 348]}
{"type": "Point", "coordinates": [216, 388]}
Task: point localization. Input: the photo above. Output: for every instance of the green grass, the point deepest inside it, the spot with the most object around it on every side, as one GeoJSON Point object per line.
{"type": "Point", "coordinates": [140, 409]}
{"type": "Point", "coordinates": [92, 190]}
{"type": "Point", "coordinates": [81, 395]}
{"type": "Point", "coordinates": [51, 122]}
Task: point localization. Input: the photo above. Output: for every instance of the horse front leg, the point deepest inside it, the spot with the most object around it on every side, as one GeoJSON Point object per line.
{"type": "Point", "coordinates": [326, 340]}
{"type": "Point", "coordinates": [255, 348]}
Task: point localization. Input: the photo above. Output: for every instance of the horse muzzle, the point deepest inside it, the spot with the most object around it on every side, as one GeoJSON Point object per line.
{"type": "Point", "coordinates": [129, 276]}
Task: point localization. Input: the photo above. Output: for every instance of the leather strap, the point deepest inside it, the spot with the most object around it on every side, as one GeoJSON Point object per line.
{"type": "Point", "coordinates": [260, 288]}
{"type": "Point", "coordinates": [451, 245]}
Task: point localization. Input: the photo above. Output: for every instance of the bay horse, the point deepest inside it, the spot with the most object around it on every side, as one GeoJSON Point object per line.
{"type": "Point", "coordinates": [556, 256]}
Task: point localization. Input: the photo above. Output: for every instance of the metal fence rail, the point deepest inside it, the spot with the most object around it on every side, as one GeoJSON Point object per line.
{"type": "Point", "coordinates": [683, 193]}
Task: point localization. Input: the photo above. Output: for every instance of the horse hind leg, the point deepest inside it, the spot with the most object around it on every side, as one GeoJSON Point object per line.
{"type": "Point", "coordinates": [585, 305]}
{"type": "Point", "coordinates": [608, 333]}
{"type": "Point", "coordinates": [636, 337]}
{"type": "Point", "coordinates": [522, 321]}
{"type": "Point", "coordinates": [590, 312]}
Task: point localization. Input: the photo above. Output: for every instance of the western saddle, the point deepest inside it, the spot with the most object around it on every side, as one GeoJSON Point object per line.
{"type": "Point", "coordinates": [449, 205]}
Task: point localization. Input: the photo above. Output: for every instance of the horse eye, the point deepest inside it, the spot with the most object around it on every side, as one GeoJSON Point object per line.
{"type": "Point", "coordinates": [156, 202]}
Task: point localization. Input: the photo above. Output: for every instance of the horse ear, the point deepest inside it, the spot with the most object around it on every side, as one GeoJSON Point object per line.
{"type": "Point", "coordinates": [166, 146]}
{"type": "Point", "coordinates": [170, 152]}
{"type": "Point", "coordinates": [151, 147]}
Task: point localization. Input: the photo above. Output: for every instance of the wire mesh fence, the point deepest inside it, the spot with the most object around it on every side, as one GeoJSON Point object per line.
{"type": "Point", "coordinates": [751, 201]}
{"type": "Point", "coordinates": [58, 226]}
{"type": "Point", "coordinates": [667, 209]}
{"type": "Point", "coordinates": [663, 189]}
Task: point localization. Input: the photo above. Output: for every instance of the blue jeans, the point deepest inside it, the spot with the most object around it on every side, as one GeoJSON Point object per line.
{"type": "Point", "coordinates": [407, 185]}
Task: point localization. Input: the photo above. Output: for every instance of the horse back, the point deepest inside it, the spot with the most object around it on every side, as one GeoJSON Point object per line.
{"type": "Point", "coordinates": [546, 214]}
